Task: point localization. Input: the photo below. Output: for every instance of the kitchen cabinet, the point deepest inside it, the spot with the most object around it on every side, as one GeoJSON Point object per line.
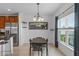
{"type": "Point", "coordinates": [13, 19]}
{"type": "Point", "coordinates": [7, 19]}
{"type": "Point", "coordinates": [16, 19]}
{"type": "Point", "coordinates": [2, 22]}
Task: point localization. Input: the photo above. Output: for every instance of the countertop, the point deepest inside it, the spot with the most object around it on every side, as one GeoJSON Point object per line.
{"type": "Point", "coordinates": [4, 40]}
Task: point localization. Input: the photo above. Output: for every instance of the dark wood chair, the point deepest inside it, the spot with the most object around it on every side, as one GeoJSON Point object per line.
{"type": "Point", "coordinates": [35, 47]}
{"type": "Point", "coordinates": [45, 46]}
{"type": "Point", "coordinates": [42, 42]}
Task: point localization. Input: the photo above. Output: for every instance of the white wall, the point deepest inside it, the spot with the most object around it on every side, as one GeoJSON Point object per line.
{"type": "Point", "coordinates": [66, 50]}
{"type": "Point", "coordinates": [25, 34]}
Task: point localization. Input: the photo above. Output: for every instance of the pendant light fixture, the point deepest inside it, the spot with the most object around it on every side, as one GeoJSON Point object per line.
{"type": "Point", "coordinates": [37, 17]}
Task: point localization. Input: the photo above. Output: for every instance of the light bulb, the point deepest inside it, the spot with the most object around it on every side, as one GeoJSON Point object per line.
{"type": "Point", "coordinates": [34, 18]}
{"type": "Point", "coordinates": [42, 19]}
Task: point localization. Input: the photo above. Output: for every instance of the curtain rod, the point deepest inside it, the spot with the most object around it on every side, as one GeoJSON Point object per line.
{"type": "Point", "coordinates": [66, 10]}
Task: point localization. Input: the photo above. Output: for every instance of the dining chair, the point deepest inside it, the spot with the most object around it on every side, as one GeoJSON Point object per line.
{"type": "Point", "coordinates": [35, 47]}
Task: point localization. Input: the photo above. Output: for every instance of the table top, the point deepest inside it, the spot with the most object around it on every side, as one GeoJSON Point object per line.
{"type": "Point", "coordinates": [43, 41]}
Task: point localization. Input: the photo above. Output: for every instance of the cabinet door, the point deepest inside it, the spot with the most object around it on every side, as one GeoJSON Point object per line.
{"type": "Point", "coordinates": [13, 19]}
{"type": "Point", "coordinates": [7, 19]}
{"type": "Point", "coordinates": [16, 19]}
{"type": "Point", "coordinates": [2, 22]}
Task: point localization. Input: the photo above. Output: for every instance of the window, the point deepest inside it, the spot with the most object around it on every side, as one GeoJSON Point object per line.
{"type": "Point", "coordinates": [66, 30]}
{"type": "Point", "coordinates": [61, 23]}
{"type": "Point", "coordinates": [71, 38]}
{"type": "Point", "coordinates": [62, 36]}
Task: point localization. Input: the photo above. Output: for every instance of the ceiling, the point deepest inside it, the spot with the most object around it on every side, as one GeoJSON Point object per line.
{"type": "Point", "coordinates": [28, 8]}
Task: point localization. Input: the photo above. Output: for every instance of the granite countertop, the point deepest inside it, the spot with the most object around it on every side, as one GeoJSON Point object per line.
{"type": "Point", "coordinates": [3, 39]}
{"type": "Point", "coordinates": [3, 42]}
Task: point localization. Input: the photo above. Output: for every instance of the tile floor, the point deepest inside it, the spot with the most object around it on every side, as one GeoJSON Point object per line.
{"type": "Point", "coordinates": [24, 51]}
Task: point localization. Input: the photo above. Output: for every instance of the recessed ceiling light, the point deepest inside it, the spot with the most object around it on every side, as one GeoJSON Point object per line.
{"type": "Point", "coordinates": [9, 9]}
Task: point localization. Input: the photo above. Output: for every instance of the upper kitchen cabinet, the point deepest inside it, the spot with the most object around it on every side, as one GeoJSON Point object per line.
{"type": "Point", "coordinates": [7, 19]}
{"type": "Point", "coordinates": [13, 19]}
{"type": "Point", "coordinates": [2, 22]}
{"type": "Point", "coordinates": [16, 19]}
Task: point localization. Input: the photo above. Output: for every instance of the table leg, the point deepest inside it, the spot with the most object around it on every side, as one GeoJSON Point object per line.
{"type": "Point", "coordinates": [30, 49]}
{"type": "Point", "coordinates": [46, 49]}
{"type": "Point", "coordinates": [38, 52]}
{"type": "Point", "coordinates": [41, 51]}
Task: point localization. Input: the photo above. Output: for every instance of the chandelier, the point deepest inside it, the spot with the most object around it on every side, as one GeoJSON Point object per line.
{"type": "Point", "coordinates": [37, 17]}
